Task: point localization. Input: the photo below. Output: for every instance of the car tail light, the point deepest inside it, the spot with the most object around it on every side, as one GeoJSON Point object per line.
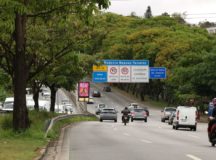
{"type": "Point", "coordinates": [132, 113]}
{"type": "Point", "coordinates": [177, 115]}
{"type": "Point", "coordinates": [144, 113]}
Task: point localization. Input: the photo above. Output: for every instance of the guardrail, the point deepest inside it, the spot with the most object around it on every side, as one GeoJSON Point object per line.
{"type": "Point", "coordinates": [49, 124]}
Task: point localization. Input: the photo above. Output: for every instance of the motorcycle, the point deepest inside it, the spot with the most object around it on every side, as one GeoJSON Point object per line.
{"type": "Point", "coordinates": [212, 134]}
{"type": "Point", "coordinates": [125, 119]}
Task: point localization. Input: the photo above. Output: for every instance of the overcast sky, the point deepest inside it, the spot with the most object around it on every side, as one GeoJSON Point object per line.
{"type": "Point", "coordinates": [196, 10]}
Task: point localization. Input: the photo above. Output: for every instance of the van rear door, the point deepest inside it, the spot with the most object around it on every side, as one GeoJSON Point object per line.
{"type": "Point", "coordinates": [187, 116]}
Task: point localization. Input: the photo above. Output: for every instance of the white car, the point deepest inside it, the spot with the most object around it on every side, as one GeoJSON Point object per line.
{"type": "Point", "coordinates": [99, 108]}
{"type": "Point", "coordinates": [46, 93]}
{"type": "Point", "coordinates": [133, 106]}
{"type": "Point", "coordinates": [68, 108]}
{"type": "Point", "coordinates": [8, 104]}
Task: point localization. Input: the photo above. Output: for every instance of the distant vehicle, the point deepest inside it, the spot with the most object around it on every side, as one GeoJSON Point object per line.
{"type": "Point", "coordinates": [186, 117]}
{"type": "Point", "coordinates": [66, 101]}
{"type": "Point", "coordinates": [44, 105]}
{"type": "Point", "coordinates": [107, 89]}
{"type": "Point", "coordinates": [138, 114]}
{"type": "Point", "coordinates": [166, 112]}
{"type": "Point", "coordinates": [68, 108]}
{"type": "Point", "coordinates": [108, 114]}
{"type": "Point", "coordinates": [99, 107]}
{"type": "Point", "coordinates": [30, 102]}
{"type": "Point", "coordinates": [90, 100]}
{"type": "Point", "coordinates": [136, 105]}
{"type": "Point", "coordinates": [59, 108]}
{"type": "Point", "coordinates": [46, 93]}
{"type": "Point", "coordinates": [171, 118]}
{"type": "Point", "coordinates": [132, 106]}
{"type": "Point", "coordinates": [8, 104]}
{"type": "Point", "coordinates": [96, 94]}
{"type": "Point", "coordinates": [1, 105]}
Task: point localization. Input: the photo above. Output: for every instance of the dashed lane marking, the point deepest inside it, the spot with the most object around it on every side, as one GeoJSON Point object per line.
{"type": "Point", "coordinates": [146, 141]}
{"type": "Point", "coordinates": [194, 136]}
{"type": "Point", "coordinates": [126, 134]}
{"type": "Point", "coordinates": [193, 157]}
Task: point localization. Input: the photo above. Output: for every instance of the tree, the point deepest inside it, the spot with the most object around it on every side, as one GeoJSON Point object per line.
{"type": "Point", "coordinates": [64, 73]}
{"type": "Point", "coordinates": [16, 56]}
{"type": "Point", "coordinates": [148, 13]}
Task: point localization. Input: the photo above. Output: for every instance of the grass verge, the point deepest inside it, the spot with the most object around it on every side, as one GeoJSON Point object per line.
{"type": "Point", "coordinates": [26, 145]}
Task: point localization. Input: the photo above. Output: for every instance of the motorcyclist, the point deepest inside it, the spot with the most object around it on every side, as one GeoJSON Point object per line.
{"type": "Point", "coordinates": [212, 118]}
{"type": "Point", "coordinates": [125, 112]}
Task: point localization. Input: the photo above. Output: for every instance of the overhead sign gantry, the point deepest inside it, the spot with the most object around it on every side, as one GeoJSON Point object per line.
{"type": "Point", "coordinates": [122, 71]}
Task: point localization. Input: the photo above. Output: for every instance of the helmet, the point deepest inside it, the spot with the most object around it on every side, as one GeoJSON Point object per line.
{"type": "Point", "coordinates": [126, 107]}
{"type": "Point", "coordinates": [214, 101]}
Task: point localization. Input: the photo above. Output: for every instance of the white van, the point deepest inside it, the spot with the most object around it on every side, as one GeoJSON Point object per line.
{"type": "Point", "coordinates": [186, 117]}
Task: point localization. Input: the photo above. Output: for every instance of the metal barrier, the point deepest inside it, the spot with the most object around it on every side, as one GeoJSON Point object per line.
{"type": "Point", "coordinates": [49, 124]}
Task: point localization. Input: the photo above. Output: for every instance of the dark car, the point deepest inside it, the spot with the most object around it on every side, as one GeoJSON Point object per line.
{"type": "Point", "coordinates": [107, 89]}
{"type": "Point", "coordinates": [96, 94]}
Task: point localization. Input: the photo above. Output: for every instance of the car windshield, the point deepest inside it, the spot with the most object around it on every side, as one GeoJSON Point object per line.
{"type": "Point", "coordinates": [135, 105]}
{"type": "Point", "coordinates": [138, 110]}
{"type": "Point", "coordinates": [170, 110]}
{"type": "Point", "coordinates": [108, 111]}
{"type": "Point", "coordinates": [102, 105]}
{"type": "Point", "coordinates": [8, 105]}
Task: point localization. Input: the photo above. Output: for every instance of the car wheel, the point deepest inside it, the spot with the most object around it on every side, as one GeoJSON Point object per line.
{"type": "Point", "coordinates": [131, 119]}
{"type": "Point", "coordinates": [173, 127]}
{"type": "Point", "coordinates": [115, 120]}
{"type": "Point", "coordinates": [162, 120]}
{"type": "Point", "coordinates": [195, 128]}
{"type": "Point", "coordinates": [176, 127]}
{"type": "Point", "coordinates": [145, 120]}
{"type": "Point", "coordinates": [213, 144]}
{"type": "Point", "coordinates": [101, 120]}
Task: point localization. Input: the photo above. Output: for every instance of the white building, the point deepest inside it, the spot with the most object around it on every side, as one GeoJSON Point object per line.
{"type": "Point", "coordinates": [211, 30]}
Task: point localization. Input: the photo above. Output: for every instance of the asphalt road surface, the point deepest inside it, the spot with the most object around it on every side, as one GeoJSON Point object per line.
{"type": "Point", "coordinates": [138, 140]}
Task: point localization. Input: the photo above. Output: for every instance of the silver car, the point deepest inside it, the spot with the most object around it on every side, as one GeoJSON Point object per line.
{"type": "Point", "coordinates": [108, 114]}
{"type": "Point", "coordinates": [166, 112]}
{"type": "Point", "coordinates": [139, 114]}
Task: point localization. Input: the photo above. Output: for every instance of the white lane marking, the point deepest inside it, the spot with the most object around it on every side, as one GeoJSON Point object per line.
{"type": "Point", "coordinates": [194, 136]}
{"type": "Point", "coordinates": [145, 141]}
{"type": "Point", "coordinates": [193, 157]}
{"type": "Point", "coordinates": [126, 134]}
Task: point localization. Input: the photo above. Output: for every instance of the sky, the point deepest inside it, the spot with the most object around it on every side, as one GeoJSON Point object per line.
{"type": "Point", "coordinates": [196, 10]}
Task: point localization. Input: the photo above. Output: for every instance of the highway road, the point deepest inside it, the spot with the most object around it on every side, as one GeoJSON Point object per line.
{"type": "Point", "coordinates": [138, 140]}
